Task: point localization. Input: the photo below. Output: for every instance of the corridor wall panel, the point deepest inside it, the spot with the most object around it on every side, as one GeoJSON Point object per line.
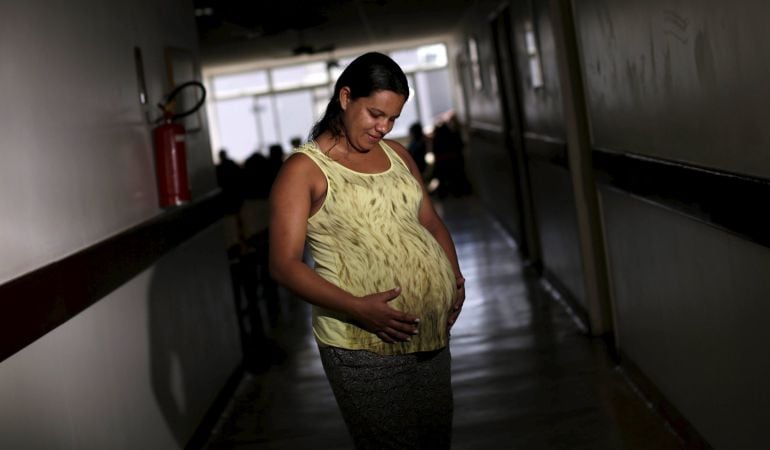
{"type": "Point", "coordinates": [141, 366]}
{"type": "Point", "coordinates": [555, 206]}
{"type": "Point", "coordinates": [541, 104]}
{"type": "Point", "coordinates": [136, 370]}
{"type": "Point", "coordinates": [491, 169]}
{"type": "Point", "coordinates": [541, 134]}
{"type": "Point", "coordinates": [679, 87]}
{"type": "Point", "coordinates": [488, 161]}
{"type": "Point", "coordinates": [484, 109]}
{"type": "Point", "coordinates": [546, 148]}
{"type": "Point", "coordinates": [684, 81]}
{"type": "Point", "coordinates": [691, 303]}
{"type": "Point", "coordinates": [77, 155]}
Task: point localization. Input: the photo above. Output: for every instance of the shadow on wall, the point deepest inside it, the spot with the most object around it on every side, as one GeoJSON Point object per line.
{"type": "Point", "coordinates": [193, 332]}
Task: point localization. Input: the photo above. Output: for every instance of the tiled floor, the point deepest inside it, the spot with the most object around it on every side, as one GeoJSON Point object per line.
{"type": "Point", "coordinates": [524, 375]}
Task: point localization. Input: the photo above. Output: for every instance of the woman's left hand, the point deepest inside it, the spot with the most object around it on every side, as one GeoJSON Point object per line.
{"type": "Point", "coordinates": [457, 306]}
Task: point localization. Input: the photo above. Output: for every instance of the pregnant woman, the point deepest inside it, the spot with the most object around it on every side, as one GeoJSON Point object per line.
{"type": "Point", "coordinates": [386, 286]}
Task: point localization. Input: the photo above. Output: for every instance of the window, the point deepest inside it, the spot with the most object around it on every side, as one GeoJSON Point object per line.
{"type": "Point", "coordinates": [473, 53]}
{"type": "Point", "coordinates": [432, 56]}
{"type": "Point", "coordinates": [336, 67]}
{"type": "Point", "coordinates": [299, 76]}
{"type": "Point", "coordinates": [236, 127]}
{"type": "Point", "coordinates": [433, 94]}
{"type": "Point", "coordinates": [421, 58]}
{"type": "Point", "coordinates": [321, 96]}
{"type": "Point", "coordinates": [254, 109]}
{"type": "Point", "coordinates": [535, 69]}
{"type": "Point", "coordinates": [409, 113]}
{"type": "Point", "coordinates": [294, 113]}
{"type": "Point", "coordinates": [263, 111]}
{"type": "Point", "coordinates": [240, 84]}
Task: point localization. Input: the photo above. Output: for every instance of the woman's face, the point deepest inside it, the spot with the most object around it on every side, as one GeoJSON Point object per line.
{"type": "Point", "coordinates": [368, 119]}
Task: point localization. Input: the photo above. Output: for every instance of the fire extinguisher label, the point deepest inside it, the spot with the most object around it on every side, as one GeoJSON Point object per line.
{"type": "Point", "coordinates": [179, 137]}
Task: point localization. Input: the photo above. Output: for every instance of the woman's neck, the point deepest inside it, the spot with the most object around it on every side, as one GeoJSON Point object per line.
{"type": "Point", "coordinates": [340, 145]}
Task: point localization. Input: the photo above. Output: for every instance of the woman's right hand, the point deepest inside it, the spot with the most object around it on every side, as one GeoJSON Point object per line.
{"type": "Point", "coordinates": [372, 313]}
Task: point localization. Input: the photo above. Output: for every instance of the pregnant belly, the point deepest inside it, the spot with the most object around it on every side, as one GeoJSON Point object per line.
{"type": "Point", "coordinates": [427, 289]}
{"type": "Point", "coordinates": [415, 263]}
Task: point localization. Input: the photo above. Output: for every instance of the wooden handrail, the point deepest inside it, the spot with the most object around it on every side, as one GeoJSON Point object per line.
{"type": "Point", "coordinates": [41, 300]}
{"type": "Point", "coordinates": [728, 201]}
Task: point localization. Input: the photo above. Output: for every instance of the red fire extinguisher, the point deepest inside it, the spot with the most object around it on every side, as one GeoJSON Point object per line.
{"type": "Point", "coordinates": [171, 151]}
{"type": "Point", "coordinates": [171, 163]}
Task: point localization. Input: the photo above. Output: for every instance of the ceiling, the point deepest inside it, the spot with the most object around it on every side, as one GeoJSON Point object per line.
{"type": "Point", "coordinates": [235, 31]}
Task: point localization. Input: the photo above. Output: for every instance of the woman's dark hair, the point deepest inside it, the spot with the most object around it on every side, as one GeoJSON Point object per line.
{"type": "Point", "coordinates": [365, 75]}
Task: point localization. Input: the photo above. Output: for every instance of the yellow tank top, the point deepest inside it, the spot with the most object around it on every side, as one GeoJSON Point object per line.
{"type": "Point", "coordinates": [367, 238]}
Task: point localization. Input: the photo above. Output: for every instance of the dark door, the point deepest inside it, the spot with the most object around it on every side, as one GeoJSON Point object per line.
{"type": "Point", "coordinates": [513, 131]}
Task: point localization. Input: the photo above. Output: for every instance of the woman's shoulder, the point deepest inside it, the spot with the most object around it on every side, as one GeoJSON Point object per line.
{"type": "Point", "coordinates": [400, 150]}
{"type": "Point", "coordinates": [397, 147]}
{"type": "Point", "coordinates": [301, 167]}
{"type": "Point", "coordinates": [309, 148]}
{"type": "Point", "coordinates": [299, 175]}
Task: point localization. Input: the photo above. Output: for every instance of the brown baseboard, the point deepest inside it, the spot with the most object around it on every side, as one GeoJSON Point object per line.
{"type": "Point", "coordinates": [202, 434]}
{"type": "Point", "coordinates": [651, 395]}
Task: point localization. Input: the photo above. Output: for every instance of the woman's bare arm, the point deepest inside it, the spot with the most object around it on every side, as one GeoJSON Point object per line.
{"type": "Point", "coordinates": [433, 223]}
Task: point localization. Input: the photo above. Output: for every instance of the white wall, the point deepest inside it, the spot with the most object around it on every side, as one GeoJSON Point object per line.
{"type": "Point", "coordinates": [76, 153]}
{"type": "Point", "coordinates": [681, 81]}
{"type": "Point", "coordinates": [137, 370]}
{"type": "Point", "coordinates": [691, 303]}
{"type": "Point", "coordinates": [140, 367]}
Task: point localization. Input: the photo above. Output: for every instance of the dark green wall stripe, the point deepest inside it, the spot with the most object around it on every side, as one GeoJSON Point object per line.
{"type": "Point", "coordinates": [37, 302]}
{"type": "Point", "coordinates": [733, 203]}
{"type": "Point", "coordinates": [544, 149]}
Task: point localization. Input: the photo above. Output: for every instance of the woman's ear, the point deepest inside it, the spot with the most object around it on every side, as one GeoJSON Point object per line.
{"type": "Point", "coordinates": [344, 97]}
